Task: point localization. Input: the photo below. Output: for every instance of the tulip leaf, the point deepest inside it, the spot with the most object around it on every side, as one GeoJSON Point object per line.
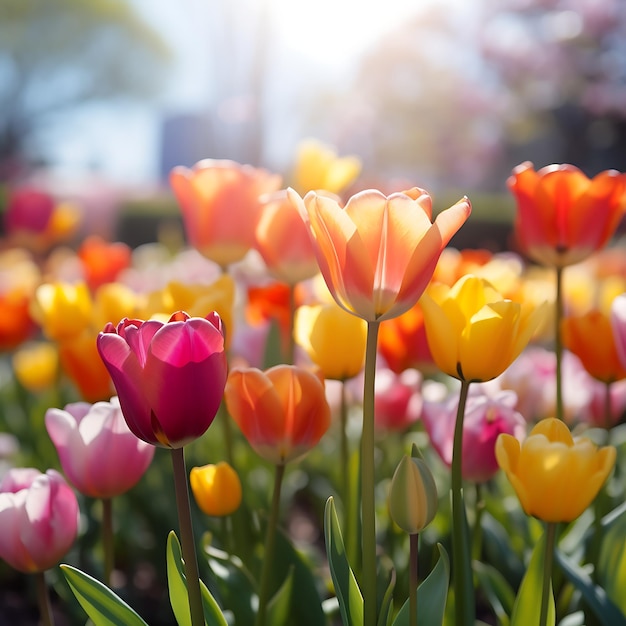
{"type": "Point", "coordinates": [611, 567]}
{"type": "Point", "coordinates": [177, 584]}
{"type": "Point", "coordinates": [102, 605]}
{"type": "Point", "coordinates": [595, 596]}
{"type": "Point", "coordinates": [431, 595]}
{"type": "Point", "coordinates": [527, 607]}
{"type": "Point", "coordinates": [346, 586]}
{"type": "Point", "coordinates": [497, 590]}
{"type": "Point", "coordinates": [279, 607]}
{"type": "Point", "coordinates": [384, 617]}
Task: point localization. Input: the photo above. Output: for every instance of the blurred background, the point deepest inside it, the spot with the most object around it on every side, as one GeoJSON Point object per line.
{"type": "Point", "coordinates": [99, 99]}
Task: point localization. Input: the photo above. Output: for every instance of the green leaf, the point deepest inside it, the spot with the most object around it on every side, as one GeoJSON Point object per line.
{"type": "Point", "coordinates": [385, 614]}
{"type": "Point", "coordinates": [177, 584]}
{"type": "Point", "coordinates": [497, 590]}
{"type": "Point", "coordinates": [103, 607]}
{"type": "Point", "coordinates": [278, 609]}
{"type": "Point", "coordinates": [527, 607]}
{"type": "Point", "coordinates": [595, 596]}
{"type": "Point", "coordinates": [431, 595]}
{"type": "Point", "coordinates": [611, 567]}
{"type": "Point", "coordinates": [346, 587]}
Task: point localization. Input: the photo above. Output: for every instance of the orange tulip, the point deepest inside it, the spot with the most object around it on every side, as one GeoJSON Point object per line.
{"type": "Point", "coordinates": [103, 261]}
{"type": "Point", "coordinates": [378, 253]}
{"type": "Point", "coordinates": [283, 241]}
{"type": "Point", "coordinates": [590, 337]}
{"type": "Point", "coordinates": [220, 204]}
{"type": "Point", "coordinates": [282, 412]}
{"type": "Point", "coordinates": [563, 216]}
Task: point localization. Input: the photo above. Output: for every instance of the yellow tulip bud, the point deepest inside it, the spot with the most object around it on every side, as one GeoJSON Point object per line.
{"type": "Point", "coordinates": [555, 476]}
{"type": "Point", "coordinates": [36, 366]}
{"type": "Point", "coordinates": [216, 488]}
{"type": "Point", "coordinates": [413, 495]}
{"type": "Point", "coordinates": [333, 339]}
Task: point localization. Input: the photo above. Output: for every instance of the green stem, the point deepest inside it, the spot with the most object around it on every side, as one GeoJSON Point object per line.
{"type": "Point", "coordinates": [107, 539]}
{"type": "Point", "coordinates": [224, 417]}
{"type": "Point", "coordinates": [413, 572]}
{"type": "Point", "coordinates": [461, 565]}
{"type": "Point", "coordinates": [270, 540]}
{"type": "Point", "coordinates": [547, 572]}
{"type": "Point", "coordinates": [608, 417]}
{"type": "Point", "coordinates": [43, 599]}
{"type": "Point", "coordinates": [368, 504]}
{"type": "Point", "coordinates": [186, 537]}
{"type": "Point", "coordinates": [477, 538]}
{"type": "Point", "coordinates": [346, 494]}
{"type": "Point", "coordinates": [558, 343]}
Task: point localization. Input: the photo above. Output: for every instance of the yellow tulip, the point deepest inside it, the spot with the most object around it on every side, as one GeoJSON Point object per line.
{"type": "Point", "coordinates": [216, 488]}
{"type": "Point", "coordinates": [334, 339]}
{"type": "Point", "coordinates": [62, 310]}
{"type": "Point", "coordinates": [473, 333]}
{"type": "Point", "coordinates": [36, 366]}
{"type": "Point", "coordinates": [555, 476]}
{"type": "Point", "coordinates": [112, 303]}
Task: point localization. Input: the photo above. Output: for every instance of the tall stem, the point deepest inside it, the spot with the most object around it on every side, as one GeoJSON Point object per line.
{"type": "Point", "coordinates": [186, 537]}
{"type": "Point", "coordinates": [461, 564]}
{"type": "Point", "coordinates": [270, 540]}
{"type": "Point", "coordinates": [413, 573]}
{"type": "Point", "coordinates": [352, 545]}
{"type": "Point", "coordinates": [43, 599]}
{"type": "Point", "coordinates": [224, 418]}
{"type": "Point", "coordinates": [107, 539]}
{"type": "Point", "coordinates": [479, 508]}
{"type": "Point", "coordinates": [558, 343]}
{"type": "Point", "coordinates": [547, 572]}
{"type": "Point", "coordinates": [368, 504]}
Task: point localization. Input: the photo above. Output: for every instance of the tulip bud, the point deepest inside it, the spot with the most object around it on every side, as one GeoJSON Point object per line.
{"type": "Point", "coordinates": [413, 496]}
{"type": "Point", "coordinates": [216, 488]}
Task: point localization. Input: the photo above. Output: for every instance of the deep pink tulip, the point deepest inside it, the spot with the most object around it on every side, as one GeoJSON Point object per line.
{"type": "Point", "coordinates": [485, 418]}
{"type": "Point", "coordinates": [398, 399]}
{"type": "Point", "coordinates": [596, 413]}
{"type": "Point", "coordinates": [618, 323]}
{"type": "Point", "coordinates": [169, 377]}
{"type": "Point", "coordinates": [100, 456]}
{"type": "Point", "coordinates": [38, 517]}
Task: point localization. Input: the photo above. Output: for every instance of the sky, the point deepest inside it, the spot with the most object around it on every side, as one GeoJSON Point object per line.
{"type": "Point", "coordinates": [311, 44]}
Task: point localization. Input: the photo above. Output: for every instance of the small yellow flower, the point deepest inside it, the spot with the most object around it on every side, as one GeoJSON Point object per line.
{"type": "Point", "coordinates": [555, 476]}
{"type": "Point", "coordinates": [413, 496]}
{"type": "Point", "coordinates": [216, 488]}
{"type": "Point", "coordinates": [334, 339]}
{"type": "Point", "coordinates": [473, 333]}
{"type": "Point", "coordinates": [36, 366]}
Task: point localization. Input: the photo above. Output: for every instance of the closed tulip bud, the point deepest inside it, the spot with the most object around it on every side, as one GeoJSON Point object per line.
{"type": "Point", "coordinates": [413, 496]}
{"type": "Point", "coordinates": [216, 488]}
{"type": "Point", "coordinates": [555, 476]}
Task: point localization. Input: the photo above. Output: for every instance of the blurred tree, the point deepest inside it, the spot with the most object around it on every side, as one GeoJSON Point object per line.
{"type": "Point", "coordinates": [59, 54]}
{"type": "Point", "coordinates": [465, 91]}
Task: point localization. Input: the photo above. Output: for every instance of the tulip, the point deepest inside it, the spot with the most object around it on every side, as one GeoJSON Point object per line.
{"type": "Point", "coordinates": [618, 323]}
{"type": "Point", "coordinates": [378, 253]}
{"type": "Point", "coordinates": [220, 202]}
{"type": "Point", "coordinates": [282, 412]}
{"type": "Point", "coordinates": [113, 301]}
{"type": "Point", "coordinates": [333, 339]}
{"type": "Point", "coordinates": [169, 377]}
{"type": "Point", "coordinates": [563, 216]}
{"type": "Point", "coordinates": [398, 399]}
{"type": "Point", "coordinates": [473, 333]}
{"type": "Point", "coordinates": [39, 519]}
{"type": "Point", "coordinates": [62, 310]}
{"type": "Point", "coordinates": [216, 488]}
{"type": "Point", "coordinates": [413, 498]}
{"type": "Point", "coordinates": [99, 455]}
{"type": "Point", "coordinates": [282, 240]}
{"type": "Point", "coordinates": [317, 166]}
{"type": "Point", "coordinates": [590, 337]}
{"type": "Point", "coordinates": [485, 418]}
{"type": "Point", "coordinates": [555, 476]}
{"type": "Point", "coordinates": [102, 261]}
{"type": "Point", "coordinates": [36, 366]}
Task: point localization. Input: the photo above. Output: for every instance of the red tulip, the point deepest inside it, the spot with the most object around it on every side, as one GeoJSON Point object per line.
{"type": "Point", "coordinates": [169, 377]}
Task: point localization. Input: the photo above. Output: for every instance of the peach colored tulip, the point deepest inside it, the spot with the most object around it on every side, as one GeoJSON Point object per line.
{"type": "Point", "coordinates": [282, 412]}
{"type": "Point", "coordinates": [563, 216]}
{"type": "Point", "coordinates": [378, 253]}
{"type": "Point", "coordinates": [220, 204]}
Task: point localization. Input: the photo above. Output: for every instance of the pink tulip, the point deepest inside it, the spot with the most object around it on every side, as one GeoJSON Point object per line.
{"type": "Point", "coordinates": [398, 399]}
{"type": "Point", "coordinates": [100, 456]}
{"type": "Point", "coordinates": [169, 377]}
{"type": "Point", "coordinates": [618, 323]}
{"type": "Point", "coordinates": [485, 418]}
{"type": "Point", "coordinates": [38, 517]}
{"type": "Point", "coordinates": [596, 413]}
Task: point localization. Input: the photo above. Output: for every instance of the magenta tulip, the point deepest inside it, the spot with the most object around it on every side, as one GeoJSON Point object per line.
{"type": "Point", "coordinates": [100, 456]}
{"type": "Point", "coordinates": [38, 517]}
{"type": "Point", "coordinates": [398, 399]}
{"type": "Point", "coordinates": [485, 418]}
{"type": "Point", "coordinates": [169, 377]}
